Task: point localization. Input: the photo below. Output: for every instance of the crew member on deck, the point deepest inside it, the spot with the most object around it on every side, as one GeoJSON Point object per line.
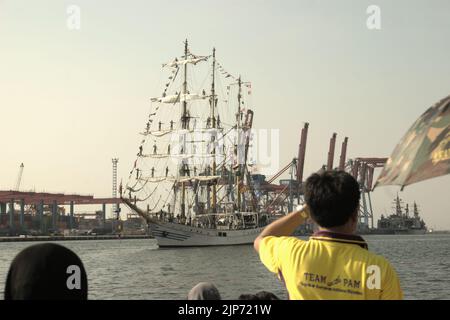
{"type": "Point", "coordinates": [188, 120]}
{"type": "Point", "coordinates": [188, 171]}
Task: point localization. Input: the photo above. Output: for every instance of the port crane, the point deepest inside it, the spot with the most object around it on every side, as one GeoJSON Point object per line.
{"type": "Point", "coordinates": [19, 177]}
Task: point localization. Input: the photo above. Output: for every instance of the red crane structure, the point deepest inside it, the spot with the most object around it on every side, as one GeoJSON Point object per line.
{"type": "Point", "coordinates": [362, 169]}
{"type": "Point", "coordinates": [279, 198]}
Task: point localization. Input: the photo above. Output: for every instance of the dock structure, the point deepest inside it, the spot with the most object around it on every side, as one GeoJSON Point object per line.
{"type": "Point", "coordinates": [362, 169]}
{"type": "Point", "coordinates": [283, 196]}
{"type": "Point", "coordinates": [14, 219]}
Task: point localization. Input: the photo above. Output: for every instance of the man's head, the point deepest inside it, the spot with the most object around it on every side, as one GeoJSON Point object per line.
{"type": "Point", "coordinates": [333, 198]}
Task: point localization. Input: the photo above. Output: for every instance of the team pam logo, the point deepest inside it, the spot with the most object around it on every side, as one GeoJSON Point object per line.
{"type": "Point", "coordinates": [373, 281]}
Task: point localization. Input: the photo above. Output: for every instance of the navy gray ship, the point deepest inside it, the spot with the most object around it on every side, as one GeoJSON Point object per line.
{"type": "Point", "coordinates": [401, 221]}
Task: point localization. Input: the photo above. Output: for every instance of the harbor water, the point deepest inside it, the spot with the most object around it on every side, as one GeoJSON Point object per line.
{"type": "Point", "coordinates": [137, 269]}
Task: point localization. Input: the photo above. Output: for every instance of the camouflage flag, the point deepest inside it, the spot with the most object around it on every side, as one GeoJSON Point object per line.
{"type": "Point", "coordinates": [424, 151]}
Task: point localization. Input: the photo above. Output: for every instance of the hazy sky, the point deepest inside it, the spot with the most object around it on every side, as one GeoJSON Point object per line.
{"type": "Point", "coordinates": [71, 100]}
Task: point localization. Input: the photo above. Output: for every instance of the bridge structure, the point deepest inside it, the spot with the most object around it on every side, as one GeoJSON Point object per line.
{"type": "Point", "coordinates": [16, 206]}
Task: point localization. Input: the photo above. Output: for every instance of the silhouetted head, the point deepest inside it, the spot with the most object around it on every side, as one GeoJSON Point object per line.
{"type": "Point", "coordinates": [204, 291]}
{"type": "Point", "coordinates": [46, 272]}
{"type": "Point", "coordinates": [247, 296]}
{"type": "Point", "coordinates": [265, 295]}
{"type": "Point", "coordinates": [333, 198]}
{"type": "Point", "coordinates": [261, 295]}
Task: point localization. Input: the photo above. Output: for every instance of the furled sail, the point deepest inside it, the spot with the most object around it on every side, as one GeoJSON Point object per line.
{"type": "Point", "coordinates": [156, 133]}
{"type": "Point", "coordinates": [154, 179]}
{"type": "Point", "coordinates": [177, 62]}
{"type": "Point", "coordinates": [175, 98]}
{"type": "Point", "coordinates": [161, 133]}
{"type": "Point", "coordinates": [179, 179]}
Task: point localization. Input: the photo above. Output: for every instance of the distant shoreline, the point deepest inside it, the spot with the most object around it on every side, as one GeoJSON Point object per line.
{"type": "Point", "coordinates": [73, 238]}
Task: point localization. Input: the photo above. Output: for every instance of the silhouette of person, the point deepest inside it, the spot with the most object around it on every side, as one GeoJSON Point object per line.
{"type": "Point", "coordinates": [204, 291]}
{"type": "Point", "coordinates": [46, 271]}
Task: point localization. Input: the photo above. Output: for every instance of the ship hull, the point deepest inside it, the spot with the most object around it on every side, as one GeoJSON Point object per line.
{"type": "Point", "coordinates": [411, 231]}
{"type": "Point", "coordinates": [176, 235]}
{"type": "Point", "coordinates": [394, 232]}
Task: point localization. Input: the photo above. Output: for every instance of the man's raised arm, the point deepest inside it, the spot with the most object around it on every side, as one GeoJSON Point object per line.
{"type": "Point", "coordinates": [284, 226]}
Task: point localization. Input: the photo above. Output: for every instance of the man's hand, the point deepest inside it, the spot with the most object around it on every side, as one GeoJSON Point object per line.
{"type": "Point", "coordinates": [284, 226]}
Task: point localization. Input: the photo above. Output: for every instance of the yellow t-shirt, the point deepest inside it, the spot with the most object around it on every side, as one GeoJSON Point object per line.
{"type": "Point", "coordinates": [330, 266]}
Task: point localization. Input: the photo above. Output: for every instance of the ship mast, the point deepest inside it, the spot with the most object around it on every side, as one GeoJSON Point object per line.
{"type": "Point", "coordinates": [238, 127]}
{"type": "Point", "coordinates": [213, 121]}
{"type": "Point", "coordinates": [184, 120]}
{"type": "Point", "coordinates": [184, 117]}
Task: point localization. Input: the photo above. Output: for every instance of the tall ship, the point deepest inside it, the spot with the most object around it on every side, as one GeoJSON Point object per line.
{"type": "Point", "coordinates": [401, 221]}
{"type": "Point", "coordinates": [192, 178]}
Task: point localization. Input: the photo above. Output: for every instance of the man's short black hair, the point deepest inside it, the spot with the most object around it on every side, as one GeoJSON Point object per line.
{"type": "Point", "coordinates": [332, 196]}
